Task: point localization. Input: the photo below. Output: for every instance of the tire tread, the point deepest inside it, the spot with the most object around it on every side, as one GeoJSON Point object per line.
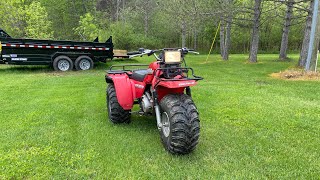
{"type": "Point", "coordinates": [116, 114]}
{"type": "Point", "coordinates": [185, 123]}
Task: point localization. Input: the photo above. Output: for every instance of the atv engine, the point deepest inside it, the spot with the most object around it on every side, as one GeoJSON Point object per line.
{"type": "Point", "coordinates": [146, 103]}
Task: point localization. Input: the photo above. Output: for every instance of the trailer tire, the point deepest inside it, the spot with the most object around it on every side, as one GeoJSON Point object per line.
{"type": "Point", "coordinates": [83, 63]}
{"type": "Point", "coordinates": [62, 63]}
{"type": "Point", "coordinates": [116, 113]}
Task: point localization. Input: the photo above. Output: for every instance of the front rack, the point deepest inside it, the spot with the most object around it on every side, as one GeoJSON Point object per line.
{"type": "Point", "coordinates": [183, 69]}
{"type": "Point", "coordinates": [194, 77]}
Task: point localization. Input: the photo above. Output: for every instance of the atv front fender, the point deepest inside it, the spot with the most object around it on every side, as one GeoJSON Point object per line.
{"type": "Point", "coordinates": [172, 87]}
{"type": "Point", "coordinates": [123, 88]}
{"type": "Point", "coordinates": [177, 84]}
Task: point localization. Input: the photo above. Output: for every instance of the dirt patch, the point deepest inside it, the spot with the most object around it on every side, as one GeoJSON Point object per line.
{"type": "Point", "coordinates": [296, 74]}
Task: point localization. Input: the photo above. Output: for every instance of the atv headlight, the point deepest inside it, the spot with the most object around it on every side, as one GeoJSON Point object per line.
{"type": "Point", "coordinates": [172, 57]}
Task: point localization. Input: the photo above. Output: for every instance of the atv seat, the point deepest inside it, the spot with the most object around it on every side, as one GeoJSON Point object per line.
{"type": "Point", "coordinates": [139, 75]}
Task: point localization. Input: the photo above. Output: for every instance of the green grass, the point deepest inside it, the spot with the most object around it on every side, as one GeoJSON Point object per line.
{"type": "Point", "coordinates": [55, 125]}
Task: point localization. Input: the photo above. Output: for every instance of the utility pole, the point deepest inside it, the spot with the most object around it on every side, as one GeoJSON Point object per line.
{"type": "Point", "coordinates": [311, 63]}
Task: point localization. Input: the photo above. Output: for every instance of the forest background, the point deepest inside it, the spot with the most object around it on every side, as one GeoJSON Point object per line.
{"type": "Point", "coordinates": [167, 23]}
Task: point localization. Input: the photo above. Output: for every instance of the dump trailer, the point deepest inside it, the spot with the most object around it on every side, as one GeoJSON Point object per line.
{"type": "Point", "coordinates": [61, 55]}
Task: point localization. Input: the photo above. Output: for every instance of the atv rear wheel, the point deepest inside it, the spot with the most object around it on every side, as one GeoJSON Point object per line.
{"type": "Point", "coordinates": [180, 124]}
{"type": "Point", "coordinates": [116, 113]}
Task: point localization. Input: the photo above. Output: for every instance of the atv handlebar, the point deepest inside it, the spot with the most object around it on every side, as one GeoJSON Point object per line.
{"type": "Point", "coordinates": [183, 50]}
{"type": "Point", "coordinates": [149, 52]}
{"type": "Point", "coordinates": [194, 52]}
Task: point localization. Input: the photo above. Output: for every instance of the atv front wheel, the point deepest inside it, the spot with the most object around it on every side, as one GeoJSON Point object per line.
{"type": "Point", "coordinates": [180, 124]}
{"type": "Point", "coordinates": [116, 113]}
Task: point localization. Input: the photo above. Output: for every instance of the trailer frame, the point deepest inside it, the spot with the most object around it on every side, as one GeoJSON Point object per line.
{"type": "Point", "coordinates": [53, 53]}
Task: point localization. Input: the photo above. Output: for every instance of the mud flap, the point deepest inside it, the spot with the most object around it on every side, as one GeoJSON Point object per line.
{"type": "Point", "coordinates": [124, 90]}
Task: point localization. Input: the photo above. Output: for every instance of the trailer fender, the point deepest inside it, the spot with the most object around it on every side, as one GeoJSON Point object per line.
{"type": "Point", "coordinates": [72, 55]}
{"type": "Point", "coordinates": [123, 88]}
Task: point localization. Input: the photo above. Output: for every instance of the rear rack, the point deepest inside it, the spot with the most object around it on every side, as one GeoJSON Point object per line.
{"type": "Point", "coordinates": [123, 68]}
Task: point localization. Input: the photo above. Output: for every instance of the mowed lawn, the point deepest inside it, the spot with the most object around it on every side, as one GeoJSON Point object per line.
{"type": "Point", "coordinates": [55, 125]}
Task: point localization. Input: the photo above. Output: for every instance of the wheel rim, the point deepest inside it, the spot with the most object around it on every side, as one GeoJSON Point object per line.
{"type": "Point", "coordinates": [84, 64]}
{"type": "Point", "coordinates": [165, 124]}
{"type": "Point", "coordinates": [63, 65]}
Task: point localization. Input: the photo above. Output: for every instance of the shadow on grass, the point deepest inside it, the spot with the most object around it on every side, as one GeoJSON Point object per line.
{"type": "Point", "coordinates": [125, 60]}
{"type": "Point", "coordinates": [143, 123]}
{"type": "Point", "coordinates": [108, 64]}
{"type": "Point", "coordinates": [47, 69]}
{"type": "Point", "coordinates": [283, 60]}
{"type": "Point", "coordinates": [24, 69]}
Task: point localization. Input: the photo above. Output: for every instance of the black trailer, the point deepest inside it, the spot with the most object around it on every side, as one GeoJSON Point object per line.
{"type": "Point", "coordinates": [61, 55]}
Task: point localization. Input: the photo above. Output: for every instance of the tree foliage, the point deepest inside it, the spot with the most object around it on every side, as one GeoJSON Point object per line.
{"type": "Point", "coordinates": [87, 29]}
{"type": "Point", "coordinates": [37, 22]}
{"type": "Point", "coordinates": [12, 17]}
{"type": "Point", "coordinates": [152, 23]}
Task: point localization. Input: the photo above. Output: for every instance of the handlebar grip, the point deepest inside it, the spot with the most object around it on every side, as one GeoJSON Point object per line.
{"type": "Point", "coordinates": [133, 53]}
{"type": "Point", "coordinates": [194, 52]}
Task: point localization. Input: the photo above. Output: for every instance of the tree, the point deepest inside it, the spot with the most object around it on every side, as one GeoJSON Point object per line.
{"type": "Point", "coordinates": [12, 19]}
{"type": "Point", "coordinates": [255, 32]}
{"type": "Point", "coordinates": [227, 41]}
{"type": "Point", "coordinates": [166, 23]}
{"type": "Point", "coordinates": [225, 28]}
{"type": "Point", "coordinates": [311, 64]}
{"type": "Point", "coordinates": [306, 38]}
{"type": "Point", "coordinates": [182, 14]}
{"type": "Point", "coordinates": [38, 24]}
{"type": "Point", "coordinates": [87, 29]}
{"type": "Point", "coordinates": [222, 37]}
{"type": "Point", "coordinates": [123, 35]}
{"type": "Point", "coordinates": [145, 10]}
{"type": "Point", "coordinates": [286, 30]}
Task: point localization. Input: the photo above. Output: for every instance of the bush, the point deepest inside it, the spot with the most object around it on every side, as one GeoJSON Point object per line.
{"type": "Point", "coordinates": [87, 29]}
{"type": "Point", "coordinates": [38, 24]}
{"type": "Point", "coordinates": [124, 37]}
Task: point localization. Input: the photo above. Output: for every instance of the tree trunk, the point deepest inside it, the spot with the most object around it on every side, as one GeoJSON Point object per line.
{"type": "Point", "coordinates": [286, 30]}
{"type": "Point", "coordinates": [84, 6]}
{"type": "Point", "coordinates": [255, 32]}
{"type": "Point", "coordinates": [146, 23]}
{"type": "Point", "coordinates": [146, 11]}
{"type": "Point", "coordinates": [183, 34]}
{"type": "Point", "coordinates": [306, 39]}
{"type": "Point", "coordinates": [222, 33]}
{"type": "Point", "coordinates": [118, 10]}
{"type": "Point", "coordinates": [314, 58]}
{"type": "Point", "coordinates": [315, 46]}
{"type": "Point", "coordinates": [227, 39]}
{"type": "Point", "coordinates": [195, 39]}
{"type": "Point", "coordinates": [74, 8]}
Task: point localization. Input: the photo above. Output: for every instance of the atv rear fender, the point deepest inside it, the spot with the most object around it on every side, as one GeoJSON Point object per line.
{"type": "Point", "coordinates": [123, 88]}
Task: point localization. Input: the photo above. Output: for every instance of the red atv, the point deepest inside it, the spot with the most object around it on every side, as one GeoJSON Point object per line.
{"type": "Point", "coordinates": [162, 90]}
